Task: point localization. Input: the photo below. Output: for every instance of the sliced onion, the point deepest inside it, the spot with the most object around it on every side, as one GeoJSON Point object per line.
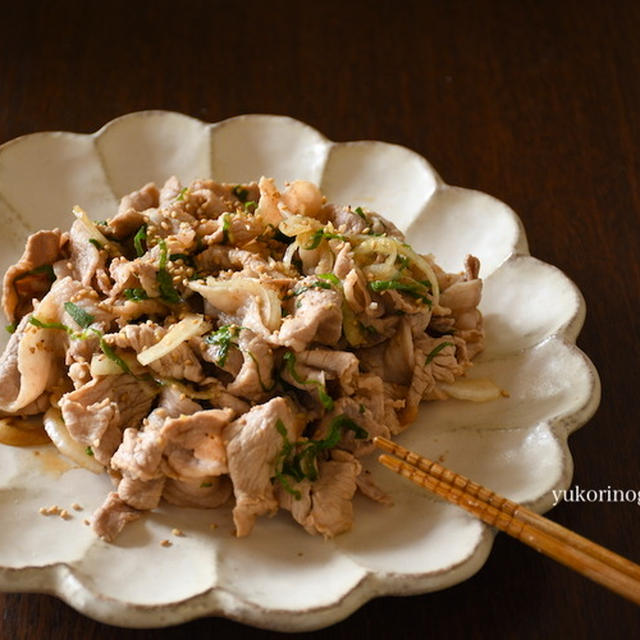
{"type": "Point", "coordinates": [385, 270]}
{"type": "Point", "coordinates": [66, 445]}
{"type": "Point", "coordinates": [229, 295]}
{"type": "Point", "coordinates": [419, 262]}
{"type": "Point", "coordinates": [473, 389]}
{"type": "Point", "coordinates": [288, 254]}
{"type": "Point", "coordinates": [103, 366]}
{"type": "Point", "coordinates": [93, 230]}
{"type": "Point", "coordinates": [295, 224]}
{"type": "Point", "coordinates": [190, 326]}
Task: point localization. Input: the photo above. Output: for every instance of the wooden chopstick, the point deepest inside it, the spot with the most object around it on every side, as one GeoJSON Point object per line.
{"type": "Point", "coordinates": [563, 545]}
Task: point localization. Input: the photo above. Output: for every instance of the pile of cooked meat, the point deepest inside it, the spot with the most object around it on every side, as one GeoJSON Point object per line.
{"type": "Point", "coordinates": [219, 341]}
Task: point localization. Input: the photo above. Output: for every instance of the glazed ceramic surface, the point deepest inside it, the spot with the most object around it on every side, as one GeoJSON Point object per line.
{"type": "Point", "coordinates": [280, 577]}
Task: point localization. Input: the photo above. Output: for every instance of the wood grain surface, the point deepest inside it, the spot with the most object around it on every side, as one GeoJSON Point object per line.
{"type": "Point", "coordinates": [536, 103]}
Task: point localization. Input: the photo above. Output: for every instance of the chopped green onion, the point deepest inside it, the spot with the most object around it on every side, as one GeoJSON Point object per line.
{"type": "Point", "coordinates": [205, 485]}
{"type": "Point", "coordinates": [11, 328]}
{"type": "Point", "coordinates": [436, 350]}
{"type": "Point", "coordinates": [226, 227]}
{"type": "Point", "coordinates": [139, 239]}
{"type": "Point", "coordinates": [42, 269]}
{"type": "Point", "coordinates": [89, 451]}
{"type": "Point", "coordinates": [290, 364]}
{"type": "Point", "coordinates": [223, 338]}
{"type": "Point", "coordinates": [135, 294]}
{"type": "Point", "coordinates": [95, 243]}
{"type": "Point", "coordinates": [251, 204]}
{"type": "Point", "coordinates": [410, 288]}
{"type": "Point", "coordinates": [111, 354]}
{"type": "Point", "coordinates": [265, 388]}
{"type": "Point", "coordinates": [82, 318]}
{"type": "Point", "coordinates": [83, 335]}
{"type": "Point", "coordinates": [240, 192]}
{"type": "Point", "coordinates": [318, 284]}
{"type": "Point", "coordinates": [181, 194]}
{"type": "Point", "coordinates": [331, 277]}
{"type": "Point", "coordinates": [299, 459]}
{"type": "Point", "coordinates": [321, 235]}
{"type": "Point", "coordinates": [168, 292]}
{"type": "Point", "coordinates": [360, 212]}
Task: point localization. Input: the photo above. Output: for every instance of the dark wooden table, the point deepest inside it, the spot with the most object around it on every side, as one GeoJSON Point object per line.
{"type": "Point", "coordinates": [537, 103]}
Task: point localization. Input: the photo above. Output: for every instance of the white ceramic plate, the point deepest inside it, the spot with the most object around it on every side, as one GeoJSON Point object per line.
{"type": "Point", "coordinates": [280, 577]}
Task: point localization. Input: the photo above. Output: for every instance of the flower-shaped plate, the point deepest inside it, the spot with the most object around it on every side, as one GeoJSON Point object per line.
{"type": "Point", "coordinates": [280, 577]}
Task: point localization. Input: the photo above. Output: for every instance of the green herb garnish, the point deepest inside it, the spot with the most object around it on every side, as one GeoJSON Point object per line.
{"type": "Point", "coordinates": [360, 212]}
{"type": "Point", "coordinates": [46, 269]}
{"type": "Point", "coordinates": [140, 240]}
{"type": "Point", "coordinates": [181, 194]}
{"type": "Point", "coordinates": [264, 387]}
{"type": "Point", "coordinates": [251, 206]}
{"type": "Point", "coordinates": [89, 451]}
{"type": "Point", "coordinates": [240, 192]}
{"type": "Point", "coordinates": [330, 277]}
{"type": "Point", "coordinates": [290, 364]}
{"type": "Point", "coordinates": [413, 289]}
{"type": "Point", "coordinates": [226, 227]}
{"type": "Point", "coordinates": [321, 235]}
{"type": "Point", "coordinates": [299, 459]}
{"type": "Point", "coordinates": [136, 294]}
{"type": "Point", "coordinates": [82, 318]}
{"type": "Point", "coordinates": [436, 350]}
{"type": "Point", "coordinates": [168, 292]}
{"type": "Point", "coordinates": [95, 243]}
{"type": "Point", "coordinates": [223, 338]}
{"type": "Point", "coordinates": [204, 485]}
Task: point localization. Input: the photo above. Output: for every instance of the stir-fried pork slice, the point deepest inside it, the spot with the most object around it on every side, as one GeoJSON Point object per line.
{"type": "Point", "coordinates": [141, 494]}
{"type": "Point", "coordinates": [133, 273]}
{"type": "Point", "coordinates": [369, 394]}
{"type": "Point", "coordinates": [20, 286]}
{"type": "Point", "coordinates": [35, 355]}
{"type": "Point", "coordinates": [394, 359]}
{"type": "Point", "coordinates": [130, 217]}
{"type": "Point", "coordinates": [110, 519]}
{"type": "Point", "coordinates": [325, 505]}
{"type": "Point", "coordinates": [180, 364]}
{"type": "Point", "coordinates": [317, 317]}
{"type": "Point", "coordinates": [140, 453]}
{"type": "Point", "coordinates": [332, 495]}
{"type": "Point", "coordinates": [96, 413]}
{"type": "Point", "coordinates": [199, 494]}
{"type": "Point", "coordinates": [463, 299]}
{"type": "Point", "coordinates": [435, 360]}
{"type": "Point", "coordinates": [253, 444]}
{"type": "Point", "coordinates": [195, 447]}
{"type": "Point", "coordinates": [86, 259]}
{"type": "Point", "coordinates": [210, 199]}
{"type": "Point", "coordinates": [362, 416]}
{"type": "Point", "coordinates": [127, 311]}
{"type": "Point", "coordinates": [340, 365]}
{"type": "Point", "coordinates": [255, 377]}
{"type": "Point", "coordinates": [170, 192]}
{"type": "Point", "coordinates": [9, 367]}
{"type": "Point", "coordinates": [229, 360]}
{"type": "Point", "coordinates": [352, 222]}
{"type": "Point", "coordinates": [369, 488]}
